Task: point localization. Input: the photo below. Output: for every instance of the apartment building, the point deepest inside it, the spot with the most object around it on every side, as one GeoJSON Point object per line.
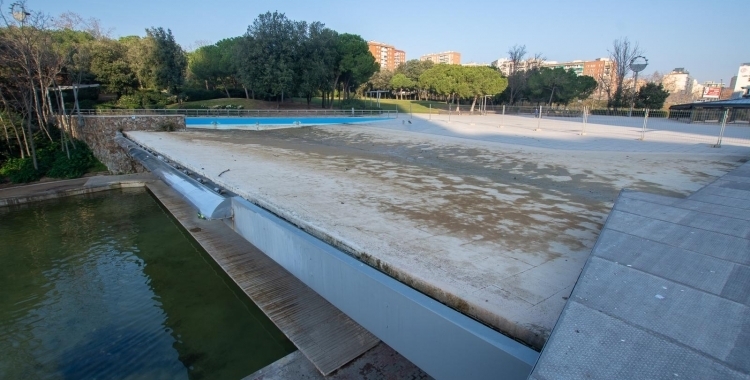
{"type": "Point", "coordinates": [577, 66]}
{"type": "Point", "coordinates": [449, 57]}
{"type": "Point", "coordinates": [506, 66]}
{"type": "Point", "coordinates": [678, 80]}
{"type": "Point", "coordinates": [386, 55]}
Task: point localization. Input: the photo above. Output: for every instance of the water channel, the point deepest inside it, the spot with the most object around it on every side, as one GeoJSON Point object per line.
{"type": "Point", "coordinates": [108, 286]}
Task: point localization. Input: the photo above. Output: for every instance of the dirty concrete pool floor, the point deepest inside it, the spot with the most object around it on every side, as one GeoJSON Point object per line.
{"type": "Point", "coordinates": [499, 232]}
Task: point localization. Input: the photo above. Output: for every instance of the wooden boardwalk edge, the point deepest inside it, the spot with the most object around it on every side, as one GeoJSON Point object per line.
{"type": "Point", "coordinates": [324, 334]}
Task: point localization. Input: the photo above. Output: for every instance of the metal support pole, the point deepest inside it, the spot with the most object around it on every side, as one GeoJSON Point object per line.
{"type": "Point", "coordinates": [723, 125]}
{"type": "Point", "coordinates": [584, 118]}
{"type": "Point", "coordinates": [410, 113]}
{"type": "Point", "coordinates": [430, 111]}
{"type": "Point", "coordinates": [502, 118]}
{"type": "Point", "coordinates": [539, 122]}
{"type": "Point", "coordinates": [645, 123]}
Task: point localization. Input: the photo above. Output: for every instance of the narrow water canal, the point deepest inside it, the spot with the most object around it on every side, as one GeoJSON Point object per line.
{"type": "Point", "coordinates": [107, 286]}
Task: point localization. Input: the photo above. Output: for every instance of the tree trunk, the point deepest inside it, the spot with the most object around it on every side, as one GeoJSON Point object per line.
{"type": "Point", "coordinates": [551, 95]}
{"type": "Point", "coordinates": [473, 102]}
{"type": "Point", "coordinates": [37, 109]}
{"type": "Point", "coordinates": [30, 138]}
{"type": "Point", "coordinates": [226, 90]}
{"type": "Point", "coordinates": [25, 139]}
{"type": "Point", "coordinates": [246, 95]}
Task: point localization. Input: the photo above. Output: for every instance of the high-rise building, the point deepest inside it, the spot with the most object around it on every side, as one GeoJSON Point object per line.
{"type": "Point", "coordinates": [449, 57]}
{"type": "Point", "coordinates": [742, 84]}
{"type": "Point", "coordinates": [386, 55]}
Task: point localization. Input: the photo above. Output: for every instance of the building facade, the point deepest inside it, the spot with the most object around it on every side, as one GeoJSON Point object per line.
{"type": "Point", "coordinates": [577, 66]}
{"type": "Point", "coordinates": [448, 57]}
{"type": "Point", "coordinates": [742, 83]}
{"type": "Point", "coordinates": [678, 80]}
{"type": "Point", "coordinates": [599, 68]}
{"type": "Point", "coordinates": [386, 55]}
{"type": "Point", "coordinates": [505, 66]}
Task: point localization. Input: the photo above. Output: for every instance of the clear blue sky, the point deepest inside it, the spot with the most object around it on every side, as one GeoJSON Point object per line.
{"type": "Point", "coordinates": [707, 37]}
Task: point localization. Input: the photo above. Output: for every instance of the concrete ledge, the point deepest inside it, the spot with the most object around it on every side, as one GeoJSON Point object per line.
{"type": "Point", "coordinates": [58, 189]}
{"type": "Point", "coordinates": [438, 339]}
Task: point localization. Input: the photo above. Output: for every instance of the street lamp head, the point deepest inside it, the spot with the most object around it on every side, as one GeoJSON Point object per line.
{"type": "Point", "coordinates": [19, 12]}
{"type": "Point", "coordinates": [638, 64]}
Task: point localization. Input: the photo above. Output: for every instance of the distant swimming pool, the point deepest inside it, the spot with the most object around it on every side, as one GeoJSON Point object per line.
{"type": "Point", "coordinates": [253, 122]}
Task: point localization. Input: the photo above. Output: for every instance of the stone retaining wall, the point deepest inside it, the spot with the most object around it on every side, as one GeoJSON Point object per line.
{"type": "Point", "coordinates": [99, 132]}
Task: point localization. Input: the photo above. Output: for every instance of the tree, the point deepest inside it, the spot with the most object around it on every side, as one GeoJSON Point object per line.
{"type": "Point", "coordinates": [139, 54]}
{"type": "Point", "coordinates": [381, 80]}
{"type": "Point", "coordinates": [412, 69]}
{"type": "Point", "coordinates": [168, 59]}
{"type": "Point", "coordinates": [110, 67]}
{"type": "Point", "coordinates": [651, 96]}
{"type": "Point", "coordinates": [516, 79]}
{"type": "Point", "coordinates": [401, 82]}
{"type": "Point", "coordinates": [214, 65]}
{"type": "Point", "coordinates": [483, 80]}
{"type": "Point", "coordinates": [266, 56]}
{"type": "Point", "coordinates": [356, 64]}
{"type": "Point", "coordinates": [622, 53]}
{"type": "Point", "coordinates": [520, 69]}
{"type": "Point", "coordinates": [317, 59]}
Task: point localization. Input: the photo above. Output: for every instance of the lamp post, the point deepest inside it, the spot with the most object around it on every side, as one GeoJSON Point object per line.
{"type": "Point", "coordinates": [19, 12]}
{"type": "Point", "coordinates": [637, 64]}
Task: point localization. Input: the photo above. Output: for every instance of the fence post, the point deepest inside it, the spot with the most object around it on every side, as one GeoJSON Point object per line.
{"type": "Point", "coordinates": [539, 122]}
{"type": "Point", "coordinates": [723, 125]}
{"type": "Point", "coordinates": [645, 123]}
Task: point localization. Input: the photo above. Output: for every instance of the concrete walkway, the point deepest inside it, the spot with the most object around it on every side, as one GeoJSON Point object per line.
{"type": "Point", "coordinates": [665, 293]}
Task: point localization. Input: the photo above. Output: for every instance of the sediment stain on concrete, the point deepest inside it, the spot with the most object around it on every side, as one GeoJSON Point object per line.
{"type": "Point", "coordinates": [495, 231]}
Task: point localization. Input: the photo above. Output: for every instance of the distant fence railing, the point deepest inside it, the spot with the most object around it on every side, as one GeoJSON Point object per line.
{"type": "Point", "coordinates": [238, 112]}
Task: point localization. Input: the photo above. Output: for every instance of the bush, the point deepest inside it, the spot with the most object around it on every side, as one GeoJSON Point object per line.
{"type": "Point", "coordinates": [168, 126]}
{"type": "Point", "coordinates": [20, 170]}
{"type": "Point", "coordinates": [197, 94]}
{"type": "Point", "coordinates": [144, 100]}
{"type": "Point", "coordinates": [81, 159]}
{"type": "Point", "coordinates": [52, 162]}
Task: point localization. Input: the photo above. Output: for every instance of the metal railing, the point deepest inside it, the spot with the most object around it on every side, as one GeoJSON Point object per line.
{"type": "Point", "coordinates": [703, 126]}
{"type": "Point", "coordinates": [240, 112]}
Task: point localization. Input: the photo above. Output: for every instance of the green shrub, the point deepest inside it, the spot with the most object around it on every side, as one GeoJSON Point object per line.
{"type": "Point", "coordinates": [20, 170]}
{"type": "Point", "coordinates": [196, 94]}
{"type": "Point", "coordinates": [81, 159]}
{"type": "Point", "coordinates": [144, 100]}
{"type": "Point", "coordinates": [168, 126]}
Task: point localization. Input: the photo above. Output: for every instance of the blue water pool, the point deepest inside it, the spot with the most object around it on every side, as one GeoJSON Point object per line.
{"type": "Point", "coordinates": [233, 122]}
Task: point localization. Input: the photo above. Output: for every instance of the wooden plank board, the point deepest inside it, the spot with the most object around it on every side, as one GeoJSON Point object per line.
{"type": "Point", "coordinates": [325, 335]}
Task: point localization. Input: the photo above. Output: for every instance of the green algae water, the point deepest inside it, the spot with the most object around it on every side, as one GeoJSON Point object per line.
{"type": "Point", "coordinates": [108, 286]}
